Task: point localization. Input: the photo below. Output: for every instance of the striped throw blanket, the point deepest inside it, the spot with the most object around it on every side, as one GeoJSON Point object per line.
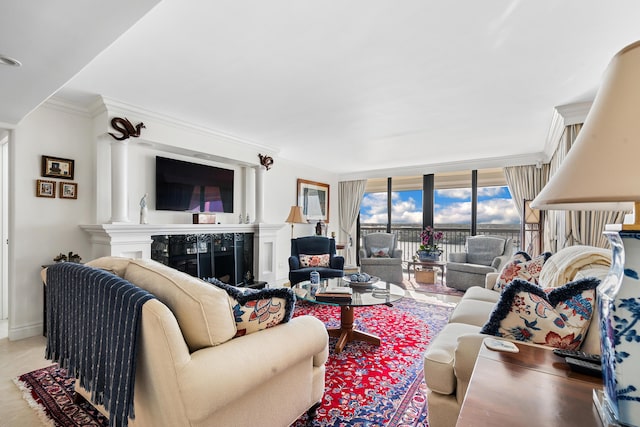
{"type": "Point", "coordinates": [92, 331]}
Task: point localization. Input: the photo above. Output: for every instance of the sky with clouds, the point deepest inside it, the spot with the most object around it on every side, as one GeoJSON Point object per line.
{"type": "Point", "coordinates": [452, 206]}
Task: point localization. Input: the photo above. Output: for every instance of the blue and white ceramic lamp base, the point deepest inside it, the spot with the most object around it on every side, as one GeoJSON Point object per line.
{"type": "Point", "coordinates": [619, 309]}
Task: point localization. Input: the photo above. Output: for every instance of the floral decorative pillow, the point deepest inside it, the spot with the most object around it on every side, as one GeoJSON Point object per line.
{"type": "Point", "coordinates": [556, 317]}
{"type": "Point", "coordinates": [379, 252]}
{"type": "Point", "coordinates": [521, 266]}
{"type": "Point", "coordinates": [258, 309]}
{"type": "Point", "coordinates": [314, 260]}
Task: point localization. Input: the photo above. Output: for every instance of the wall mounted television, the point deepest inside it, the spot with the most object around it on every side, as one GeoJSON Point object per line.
{"type": "Point", "coordinates": [193, 187]}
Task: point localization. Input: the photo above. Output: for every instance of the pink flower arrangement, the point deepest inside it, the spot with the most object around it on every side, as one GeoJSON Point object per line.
{"type": "Point", "coordinates": [430, 238]}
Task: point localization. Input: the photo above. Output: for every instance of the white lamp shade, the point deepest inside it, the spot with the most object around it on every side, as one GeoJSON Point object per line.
{"type": "Point", "coordinates": [602, 169]}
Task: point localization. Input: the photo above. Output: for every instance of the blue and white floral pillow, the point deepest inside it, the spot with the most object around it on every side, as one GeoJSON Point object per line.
{"type": "Point", "coordinates": [555, 317]}
{"type": "Point", "coordinates": [258, 309]}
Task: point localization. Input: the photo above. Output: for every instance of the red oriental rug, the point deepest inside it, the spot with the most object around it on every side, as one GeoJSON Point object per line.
{"type": "Point", "coordinates": [378, 386]}
{"type": "Point", "coordinates": [365, 385]}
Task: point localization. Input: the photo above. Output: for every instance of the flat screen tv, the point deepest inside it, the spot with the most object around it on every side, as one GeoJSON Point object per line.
{"type": "Point", "coordinates": [185, 186]}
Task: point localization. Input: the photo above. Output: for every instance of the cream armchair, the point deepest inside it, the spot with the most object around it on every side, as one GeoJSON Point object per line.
{"type": "Point", "coordinates": [484, 254]}
{"type": "Point", "coordinates": [379, 257]}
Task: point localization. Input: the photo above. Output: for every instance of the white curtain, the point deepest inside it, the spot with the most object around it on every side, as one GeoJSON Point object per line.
{"type": "Point", "coordinates": [525, 182]}
{"type": "Point", "coordinates": [350, 195]}
{"type": "Point", "coordinates": [567, 228]}
{"type": "Point", "coordinates": [555, 225]}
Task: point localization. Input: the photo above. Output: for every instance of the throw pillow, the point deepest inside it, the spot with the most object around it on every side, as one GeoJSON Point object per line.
{"type": "Point", "coordinates": [314, 260]}
{"type": "Point", "coordinates": [379, 252]}
{"type": "Point", "coordinates": [258, 309]}
{"type": "Point", "coordinates": [521, 266]}
{"type": "Point", "coordinates": [557, 317]}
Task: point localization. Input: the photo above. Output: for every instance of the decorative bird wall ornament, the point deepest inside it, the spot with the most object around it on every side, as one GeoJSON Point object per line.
{"type": "Point", "coordinates": [126, 128]}
{"type": "Point", "coordinates": [266, 161]}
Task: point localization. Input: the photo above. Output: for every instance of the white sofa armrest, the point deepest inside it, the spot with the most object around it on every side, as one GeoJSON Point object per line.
{"type": "Point", "coordinates": [465, 360]}
{"type": "Point", "coordinates": [458, 257]}
{"type": "Point", "coordinates": [490, 280]}
{"type": "Point", "coordinates": [217, 376]}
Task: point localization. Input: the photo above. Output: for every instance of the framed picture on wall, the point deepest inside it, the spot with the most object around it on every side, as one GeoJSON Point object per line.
{"type": "Point", "coordinates": [55, 167]}
{"type": "Point", "coordinates": [45, 188]}
{"type": "Point", "coordinates": [313, 197]}
{"type": "Point", "coordinates": [68, 190]}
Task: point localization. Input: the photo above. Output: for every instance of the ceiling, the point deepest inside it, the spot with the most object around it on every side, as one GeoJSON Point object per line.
{"type": "Point", "coordinates": [355, 86]}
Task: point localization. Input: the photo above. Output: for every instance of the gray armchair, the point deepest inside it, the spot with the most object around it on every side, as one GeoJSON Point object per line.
{"type": "Point", "coordinates": [379, 257]}
{"type": "Point", "coordinates": [485, 254]}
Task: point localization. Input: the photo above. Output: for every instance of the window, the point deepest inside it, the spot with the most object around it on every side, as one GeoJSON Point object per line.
{"type": "Point", "coordinates": [452, 212]}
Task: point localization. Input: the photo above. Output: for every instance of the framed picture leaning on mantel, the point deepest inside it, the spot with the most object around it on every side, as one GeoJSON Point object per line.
{"type": "Point", "coordinates": [56, 167]}
{"type": "Point", "coordinates": [313, 198]}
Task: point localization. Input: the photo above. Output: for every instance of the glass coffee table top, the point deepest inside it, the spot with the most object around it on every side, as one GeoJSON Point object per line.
{"type": "Point", "coordinates": [362, 296]}
{"type": "Point", "coordinates": [377, 293]}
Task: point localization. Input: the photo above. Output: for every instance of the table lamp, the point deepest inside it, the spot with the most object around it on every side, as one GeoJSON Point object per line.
{"type": "Point", "coordinates": [602, 172]}
{"type": "Point", "coordinates": [295, 217]}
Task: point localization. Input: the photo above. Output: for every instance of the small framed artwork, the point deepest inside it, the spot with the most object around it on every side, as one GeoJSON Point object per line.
{"type": "Point", "coordinates": [55, 167]}
{"type": "Point", "coordinates": [45, 188]}
{"type": "Point", "coordinates": [68, 190]}
{"type": "Point", "coordinates": [313, 197]}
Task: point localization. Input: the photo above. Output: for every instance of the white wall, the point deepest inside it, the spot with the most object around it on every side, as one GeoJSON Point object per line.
{"type": "Point", "coordinates": [4, 226]}
{"type": "Point", "coordinates": [280, 195]}
{"type": "Point", "coordinates": [40, 228]}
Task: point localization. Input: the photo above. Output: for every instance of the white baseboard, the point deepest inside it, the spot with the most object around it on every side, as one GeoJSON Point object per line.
{"type": "Point", "coordinates": [23, 332]}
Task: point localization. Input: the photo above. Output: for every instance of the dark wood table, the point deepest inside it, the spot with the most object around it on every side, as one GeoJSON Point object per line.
{"type": "Point", "coordinates": [363, 296]}
{"type": "Point", "coordinates": [531, 388]}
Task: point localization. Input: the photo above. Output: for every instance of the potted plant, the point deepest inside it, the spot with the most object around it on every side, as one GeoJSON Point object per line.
{"type": "Point", "coordinates": [429, 250]}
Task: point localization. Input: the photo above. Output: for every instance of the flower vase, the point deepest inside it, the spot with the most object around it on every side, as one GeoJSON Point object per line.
{"type": "Point", "coordinates": [619, 309]}
{"type": "Point", "coordinates": [428, 256]}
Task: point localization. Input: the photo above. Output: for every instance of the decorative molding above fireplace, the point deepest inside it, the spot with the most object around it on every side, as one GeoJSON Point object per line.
{"type": "Point", "coordinates": [134, 240]}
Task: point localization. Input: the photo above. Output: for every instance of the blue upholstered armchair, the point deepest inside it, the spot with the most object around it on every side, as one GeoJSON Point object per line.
{"type": "Point", "coordinates": [314, 253]}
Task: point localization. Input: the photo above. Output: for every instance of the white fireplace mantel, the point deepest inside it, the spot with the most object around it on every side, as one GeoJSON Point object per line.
{"type": "Point", "coordinates": [134, 240]}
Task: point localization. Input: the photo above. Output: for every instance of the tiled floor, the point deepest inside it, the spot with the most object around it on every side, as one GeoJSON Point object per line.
{"type": "Point", "coordinates": [18, 357]}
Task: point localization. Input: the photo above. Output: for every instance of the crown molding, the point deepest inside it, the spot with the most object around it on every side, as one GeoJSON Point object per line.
{"type": "Point", "coordinates": [60, 104]}
{"type": "Point", "coordinates": [113, 106]}
{"type": "Point", "coordinates": [454, 166]}
{"type": "Point", "coordinates": [563, 116]}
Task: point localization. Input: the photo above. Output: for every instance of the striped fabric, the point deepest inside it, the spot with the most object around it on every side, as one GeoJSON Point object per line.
{"type": "Point", "coordinates": [92, 329]}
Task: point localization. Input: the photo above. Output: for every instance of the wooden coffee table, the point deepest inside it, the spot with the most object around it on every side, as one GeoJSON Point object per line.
{"type": "Point", "coordinates": [531, 388]}
{"type": "Point", "coordinates": [361, 297]}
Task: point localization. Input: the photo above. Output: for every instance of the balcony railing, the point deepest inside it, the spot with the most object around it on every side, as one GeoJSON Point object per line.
{"type": "Point", "coordinates": [454, 236]}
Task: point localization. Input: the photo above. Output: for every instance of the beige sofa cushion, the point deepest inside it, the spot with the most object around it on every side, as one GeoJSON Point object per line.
{"type": "Point", "coordinates": [203, 311]}
{"type": "Point", "coordinates": [482, 294]}
{"type": "Point", "coordinates": [112, 264]}
{"type": "Point", "coordinates": [472, 311]}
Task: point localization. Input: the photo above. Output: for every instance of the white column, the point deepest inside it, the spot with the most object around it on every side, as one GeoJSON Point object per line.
{"type": "Point", "coordinates": [119, 181]}
{"type": "Point", "coordinates": [249, 197]}
{"type": "Point", "coordinates": [260, 174]}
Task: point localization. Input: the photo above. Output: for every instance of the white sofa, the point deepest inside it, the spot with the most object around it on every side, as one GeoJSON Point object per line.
{"type": "Point", "coordinates": [451, 356]}
{"type": "Point", "coordinates": [192, 372]}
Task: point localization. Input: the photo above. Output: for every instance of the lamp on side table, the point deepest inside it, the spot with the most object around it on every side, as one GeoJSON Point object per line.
{"type": "Point", "coordinates": [602, 172]}
{"type": "Point", "coordinates": [295, 217]}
